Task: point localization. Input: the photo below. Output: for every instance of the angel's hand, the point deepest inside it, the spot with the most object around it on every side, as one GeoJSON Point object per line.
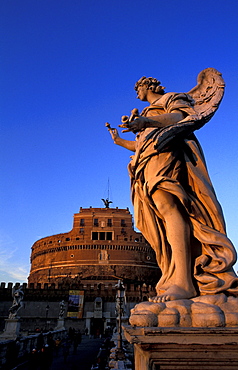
{"type": "Point", "coordinates": [137, 125]}
{"type": "Point", "coordinates": [114, 134]}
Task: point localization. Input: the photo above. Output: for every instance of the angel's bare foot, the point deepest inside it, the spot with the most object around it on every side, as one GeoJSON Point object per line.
{"type": "Point", "coordinates": [173, 293]}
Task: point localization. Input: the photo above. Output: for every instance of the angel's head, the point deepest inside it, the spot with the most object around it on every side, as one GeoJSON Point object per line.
{"type": "Point", "coordinates": [149, 83]}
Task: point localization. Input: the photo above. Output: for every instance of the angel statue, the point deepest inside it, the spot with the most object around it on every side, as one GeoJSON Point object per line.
{"type": "Point", "coordinates": [62, 309]}
{"type": "Point", "coordinates": [175, 206]}
{"type": "Point", "coordinates": [106, 202]}
{"type": "Point", "coordinates": [17, 295]}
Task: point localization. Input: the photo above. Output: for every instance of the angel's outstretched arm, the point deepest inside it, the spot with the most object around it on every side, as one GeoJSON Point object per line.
{"type": "Point", "coordinates": [128, 144]}
{"type": "Point", "coordinates": [168, 118]}
{"type": "Point", "coordinates": [162, 120]}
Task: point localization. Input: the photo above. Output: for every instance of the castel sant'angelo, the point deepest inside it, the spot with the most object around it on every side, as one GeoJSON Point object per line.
{"type": "Point", "coordinates": [86, 263]}
{"type": "Point", "coordinates": [101, 244]}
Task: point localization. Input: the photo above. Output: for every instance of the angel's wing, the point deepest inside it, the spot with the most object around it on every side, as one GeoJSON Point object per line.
{"type": "Point", "coordinates": [207, 96]}
{"type": "Point", "coordinates": [208, 93]}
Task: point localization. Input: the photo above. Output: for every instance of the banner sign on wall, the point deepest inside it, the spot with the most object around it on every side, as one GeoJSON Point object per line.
{"type": "Point", "coordinates": [75, 305]}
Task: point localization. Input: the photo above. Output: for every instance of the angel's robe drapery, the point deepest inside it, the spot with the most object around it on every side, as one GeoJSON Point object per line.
{"type": "Point", "coordinates": [180, 169]}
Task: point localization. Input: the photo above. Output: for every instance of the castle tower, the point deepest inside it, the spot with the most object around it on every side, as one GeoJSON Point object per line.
{"type": "Point", "coordinates": [102, 243]}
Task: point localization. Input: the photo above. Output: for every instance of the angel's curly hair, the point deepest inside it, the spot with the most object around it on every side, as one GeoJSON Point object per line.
{"type": "Point", "coordinates": [152, 84]}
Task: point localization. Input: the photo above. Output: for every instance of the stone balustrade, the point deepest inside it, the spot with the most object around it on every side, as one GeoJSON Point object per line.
{"type": "Point", "coordinates": [17, 351]}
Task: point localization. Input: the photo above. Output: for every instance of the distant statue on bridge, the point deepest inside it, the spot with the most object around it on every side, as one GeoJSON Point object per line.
{"type": "Point", "coordinates": [62, 309]}
{"type": "Point", "coordinates": [175, 206]}
{"type": "Point", "coordinates": [17, 295]}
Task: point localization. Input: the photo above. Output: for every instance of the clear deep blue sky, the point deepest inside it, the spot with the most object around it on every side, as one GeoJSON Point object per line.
{"type": "Point", "coordinates": [67, 67]}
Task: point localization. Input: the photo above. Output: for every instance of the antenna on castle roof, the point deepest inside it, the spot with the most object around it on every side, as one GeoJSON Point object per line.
{"type": "Point", "coordinates": [107, 201]}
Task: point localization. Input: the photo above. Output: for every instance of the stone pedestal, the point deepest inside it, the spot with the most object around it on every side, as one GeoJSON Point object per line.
{"type": "Point", "coordinates": [204, 311]}
{"type": "Point", "coordinates": [184, 348]}
{"type": "Point", "coordinates": [12, 329]}
{"type": "Point", "coordinates": [60, 324]}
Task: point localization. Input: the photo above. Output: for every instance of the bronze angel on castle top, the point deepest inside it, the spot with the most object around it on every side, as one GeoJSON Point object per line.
{"type": "Point", "coordinates": [175, 206]}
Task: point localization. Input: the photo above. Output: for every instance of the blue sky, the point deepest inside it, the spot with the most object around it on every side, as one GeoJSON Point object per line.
{"type": "Point", "coordinates": [67, 67]}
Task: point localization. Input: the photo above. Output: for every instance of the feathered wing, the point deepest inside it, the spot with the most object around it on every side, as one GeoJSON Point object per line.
{"type": "Point", "coordinates": [207, 95]}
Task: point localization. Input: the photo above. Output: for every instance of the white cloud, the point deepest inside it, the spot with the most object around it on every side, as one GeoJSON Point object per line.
{"type": "Point", "coordinates": [12, 267]}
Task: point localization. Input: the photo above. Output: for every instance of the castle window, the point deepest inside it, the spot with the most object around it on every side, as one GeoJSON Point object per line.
{"type": "Point", "coordinates": [67, 239]}
{"type": "Point", "coordinates": [123, 223]}
{"type": "Point", "coordinates": [94, 235]}
{"type": "Point", "coordinates": [82, 222]}
{"type": "Point", "coordinates": [109, 222]}
{"type": "Point", "coordinates": [102, 235]}
{"type": "Point", "coordinates": [95, 222]}
{"type": "Point", "coordinates": [81, 230]}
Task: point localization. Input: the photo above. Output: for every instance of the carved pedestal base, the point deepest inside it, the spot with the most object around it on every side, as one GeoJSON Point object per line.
{"type": "Point", "coordinates": [12, 329]}
{"type": "Point", "coordinates": [197, 333]}
{"type": "Point", "coordinates": [184, 348]}
{"type": "Point", "coordinates": [204, 311]}
{"type": "Point", "coordinates": [60, 324]}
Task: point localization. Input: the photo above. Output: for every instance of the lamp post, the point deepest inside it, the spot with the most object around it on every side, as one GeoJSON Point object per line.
{"type": "Point", "coordinates": [120, 299]}
{"type": "Point", "coordinates": [46, 315]}
{"type": "Point", "coordinates": [47, 311]}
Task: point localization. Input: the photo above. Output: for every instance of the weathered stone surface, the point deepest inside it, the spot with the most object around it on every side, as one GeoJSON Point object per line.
{"type": "Point", "coordinates": [168, 317]}
{"type": "Point", "coordinates": [150, 306]}
{"type": "Point", "coordinates": [205, 311]}
{"type": "Point", "coordinates": [206, 315]}
{"type": "Point", "coordinates": [184, 348]}
{"type": "Point", "coordinates": [216, 299]}
{"type": "Point", "coordinates": [12, 329]}
{"type": "Point", "coordinates": [184, 309]}
{"type": "Point", "coordinates": [230, 309]}
{"type": "Point", "coordinates": [144, 318]}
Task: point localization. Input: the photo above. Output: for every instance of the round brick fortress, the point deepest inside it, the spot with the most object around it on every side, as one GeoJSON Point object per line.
{"type": "Point", "coordinates": [102, 242]}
